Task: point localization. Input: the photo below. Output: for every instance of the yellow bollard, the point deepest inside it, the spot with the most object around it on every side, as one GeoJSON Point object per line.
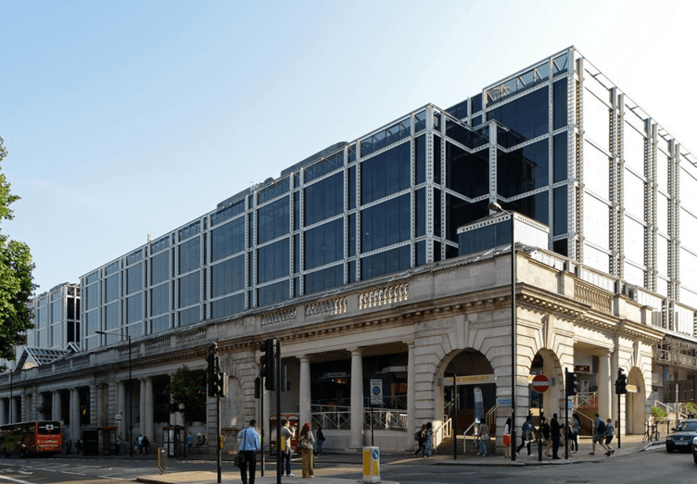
{"type": "Point", "coordinates": [371, 464]}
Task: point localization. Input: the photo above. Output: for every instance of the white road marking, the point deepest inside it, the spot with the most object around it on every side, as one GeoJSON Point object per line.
{"type": "Point", "coordinates": [11, 479]}
{"type": "Point", "coordinates": [73, 473]}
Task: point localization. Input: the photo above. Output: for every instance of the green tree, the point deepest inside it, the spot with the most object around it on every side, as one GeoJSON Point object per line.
{"type": "Point", "coordinates": [16, 279]}
{"type": "Point", "coordinates": [186, 395]}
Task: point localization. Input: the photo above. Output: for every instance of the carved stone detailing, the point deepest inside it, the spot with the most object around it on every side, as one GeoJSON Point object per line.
{"type": "Point", "coordinates": [81, 361]}
{"type": "Point", "coordinates": [589, 294]}
{"type": "Point", "coordinates": [158, 343]}
{"type": "Point", "coordinates": [278, 316]}
{"type": "Point", "coordinates": [196, 335]}
{"type": "Point", "coordinates": [329, 306]}
{"type": "Point", "coordinates": [382, 296]}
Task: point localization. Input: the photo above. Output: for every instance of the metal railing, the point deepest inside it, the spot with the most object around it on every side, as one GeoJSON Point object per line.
{"type": "Point", "coordinates": [441, 432]}
{"type": "Point", "coordinates": [338, 417]}
{"type": "Point", "coordinates": [586, 400]}
{"type": "Point", "coordinates": [385, 418]}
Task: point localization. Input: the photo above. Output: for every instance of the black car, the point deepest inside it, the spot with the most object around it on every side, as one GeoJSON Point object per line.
{"type": "Point", "coordinates": [681, 438]}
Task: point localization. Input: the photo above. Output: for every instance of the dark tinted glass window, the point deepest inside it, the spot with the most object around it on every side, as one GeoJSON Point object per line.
{"type": "Point", "coordinates": [462, 213]}
{"type": "Point", "coordinates": [159, 300]}
{"type": "Point", "coordinates": [250, 229]}
{"type": "Point", "coordinates": [352, 271]}
{"type": "Point", "coordinates": [561, 247]}
{"type": "Point", "coordinates": [134, 278]}
{"type": "Point", "coordinates": [273, 261]}
{"type": "Point", "coordinates": [324, 166]}
{"type": "Point", "coordinates": [528, 115]}
{"type": "Point", "coordinates": [386, 173]}
{"type": "Point", "coordinates": [273, 293]}
{"type": "Point", "coordinates": [112, 316]}
{"type": "Point", "coordinates": [420, 149]}
{"type": "Point", "coordinates": [459, 110]}
{"type": "Point", "coordinates": [386, 262]}
{"type": "Point", "coordinates": [325, 279]}
{"type": "Point", "coordinates": [560, 157]}
{"type": "Point", "coordinates": [134, 308]}
{"type": "Point", "coordinates": [228, 305]}
{"type": "Point", "coordinates": [190, 255]}
{"type": "Point", "coordinates": [436, 212]}
{"type": "Point", "coordinates": [421, 253]}
{"type": "Point", "coordinates": [436, 159]}
{"type": "Point", "coordinates": [324, 244]}
{"type": "Point", "coordinates": [352, 235]}
{"type": "Point", "coordinates": [273, 191]}
{"type": "Point", "coordinates": [420, 212]}
{"type": "Point", "coordinates": [476, 103]}
{"type": "Point", "coordinates": [296, 254]}
{"type": "Point", "coordinates": [296, 210]}
{"type": "Point", "coordinates": [560, 98]}
{"type": "Point", "coordinates": [386, 223]}
{"type": "Point", "coordinates": [560, 210]}
{"type": "Point", "coordinates": [189, 289]}
{"type": "Point", "coordinates": [352, 188]}
{"type": "Point", "coordinates": [112, 288]}
{"type": "Point", "coordinates": [159, 268]}
{"type": "Point", "coordinates": [485, 238]}
{"type": "Point", "coordinates": [227, 239]}
{"type": "Point", "coordinates": [227, 276]}
{"type": "Point", "coordinates": [189, 316]}
{"type": "Point", "coordinates": [225, 213]}
{"type": "Point", "coordinates": [467, 173]}
{"type": "Point", "coordinates": [535, 207]}
{"type": "Point", "coordinates": [324, 199]}
{"type": "Point", "coordinates": [523, 170]}
{"type": "Point", "coordinates": [160, 323]}
{"type": "Point", "coordinates": [273, 220]}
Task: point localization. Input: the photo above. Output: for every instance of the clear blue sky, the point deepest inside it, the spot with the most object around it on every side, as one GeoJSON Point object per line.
{"type": "Point", "coordinates": [128, 118]}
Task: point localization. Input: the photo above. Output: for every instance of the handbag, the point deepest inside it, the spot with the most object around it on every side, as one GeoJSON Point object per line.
{"type": "Point", "coordinates": [239, 459]}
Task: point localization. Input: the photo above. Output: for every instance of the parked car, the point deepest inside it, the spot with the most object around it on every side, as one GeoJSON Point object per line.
{"type": "Point", "coordinates": [682, 435]}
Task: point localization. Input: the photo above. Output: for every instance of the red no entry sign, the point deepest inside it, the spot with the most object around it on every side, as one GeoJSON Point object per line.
{"type": "Point", "coordinates": [540, 383]}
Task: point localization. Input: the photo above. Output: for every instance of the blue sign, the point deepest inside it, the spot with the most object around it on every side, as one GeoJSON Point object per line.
{"type": "Point", "coordinates": [504, 402]}
{"type": "Point", "coordinates": [376, 454]}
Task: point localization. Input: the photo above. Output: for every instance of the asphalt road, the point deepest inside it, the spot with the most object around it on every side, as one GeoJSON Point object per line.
{"type": "Point", "coordinates": [653, 467]}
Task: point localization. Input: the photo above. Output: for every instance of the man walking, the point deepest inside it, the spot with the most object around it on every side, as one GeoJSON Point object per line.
{"type": "Point", "coordinates": [599, 435]}
{"type": "Point", "coordinates": [249, 444]}
{"type": "Point", "coordinates": [526, 434]}
{"type": "Point", "coordinates": [556, 436]}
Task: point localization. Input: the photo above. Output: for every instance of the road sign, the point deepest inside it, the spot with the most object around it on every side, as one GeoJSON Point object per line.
{"type": "Point", "coordinates": [376, 392]}
{"type": "Point", "coordinates": [540, 383]}
{"type": "Point", "coordinates": [632, 389]}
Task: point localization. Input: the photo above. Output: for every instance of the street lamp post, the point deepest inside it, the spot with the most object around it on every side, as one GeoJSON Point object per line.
{"type": "Point", "coordinates": [130, 390]}
{"type": "Point", "coordinates": [494, 206]}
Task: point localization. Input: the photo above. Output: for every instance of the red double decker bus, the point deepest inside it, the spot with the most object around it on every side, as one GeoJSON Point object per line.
{"type": "Point", "coordinates": [44, 437]}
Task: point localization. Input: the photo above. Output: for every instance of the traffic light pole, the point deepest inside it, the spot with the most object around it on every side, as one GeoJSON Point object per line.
{"type": "Point", "coordinates": [278, 413]}
{"type": "Point", "coordinates": [566, 416]}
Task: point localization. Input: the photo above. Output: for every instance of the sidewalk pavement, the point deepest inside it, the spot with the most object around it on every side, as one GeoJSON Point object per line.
{"type": "Point", "coordinates": [631, 444]}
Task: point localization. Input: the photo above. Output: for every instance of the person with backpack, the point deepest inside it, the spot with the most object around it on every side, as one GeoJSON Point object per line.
{"type": "Point", "coordinates": [609, 434]}
{"type": "Point", "coordinates": [420, 437]}
{"type": "Point", "coordinates": [599, 435]}
{"type": "Point", "coordinates": [526, 435]}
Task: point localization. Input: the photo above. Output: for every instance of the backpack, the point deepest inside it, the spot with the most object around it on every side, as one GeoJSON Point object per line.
{"type": "Point", "coordinates": [601, 428]}
{"type": "Point", "coordinates": [609, 431]}
{"type": "Point", "coordinates": [417, 435]}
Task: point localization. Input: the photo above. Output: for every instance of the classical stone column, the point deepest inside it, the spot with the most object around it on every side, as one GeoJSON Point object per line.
{"type": "Point", "coordinates": [3, 411]}
{"type": "Point", "coordinates": [95, 405]}
{"type": "Point", "coordinates": [56, 408]}
{"type": "Point", "coordinates": [304, 393]}
{"type": "Point", "coordinates": [141, 414]}
{"type": "Point", "coordinates": [411, 397]}
{"type": "Point", "coordinates": [149, 407]}
{"type": "Point", "coordinates": [604, 386]}
{"type": "Point", "coordinates": [121, 409]}
{"type": "Point", "coordinates": [74, 414]}
{"type": "Point", "coordinates": [24, 402]}
{"type": "Point", "coordinates": [356, 441]}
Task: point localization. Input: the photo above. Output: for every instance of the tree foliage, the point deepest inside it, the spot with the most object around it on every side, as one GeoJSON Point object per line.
{"type": "Point", "coordinates": [186, 395]}
{"type": "Point", "coordinates": [16, 279]}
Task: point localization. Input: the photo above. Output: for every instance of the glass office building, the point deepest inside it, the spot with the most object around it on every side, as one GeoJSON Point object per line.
{"type": "Point", "coordinates": [556, 142]}
{"type": "Point", "coordinates": [56, 318]}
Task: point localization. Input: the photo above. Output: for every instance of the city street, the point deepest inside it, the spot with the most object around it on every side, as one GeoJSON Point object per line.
{"type": "Point", "coordinates": [653, 466]}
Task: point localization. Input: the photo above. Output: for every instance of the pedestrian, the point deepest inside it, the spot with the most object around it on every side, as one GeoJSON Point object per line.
{"type": "Point", "coordinates": [429, 440]}
{"type": "Point", "coordinates": [78, 447]}
{"type": "Point", "coordinates": [507, 438]}
{"type": "Point", "coordinates": [189, 441]}
{"type": "Point", "coordinates": [199, 439]}
{"type": "Point", "coordinates": [599, 434]}
{"type": "Point", "coordinates": [483, 439]}
{"type": "Point", "coordinates": [320, 440]}
{"type": "Point", "coordinates": [609, 434]}
{"type": "Point", "coordinates": [575, 430]}
{"type": "Point", "coordinates": [544, 435]}
{"type": "Point", "coordinates": [146, 445]}
{"type": "Point", "coordinates": [249, 445]}
{"type": "Point", "coordinates": [526, 435]}
{"type": "Point", "coordinates": [555, 428]}
{"type": "Point", "coordinates": [287, 434]}
{"type": "Point", "coordinates": [420, 437]}
{"type": "Point", "coordinates": [118, 444]}
{"type": "Point", "coordinates": [306, 442]}
{"type": "Point", "coordinates": [139, 444]}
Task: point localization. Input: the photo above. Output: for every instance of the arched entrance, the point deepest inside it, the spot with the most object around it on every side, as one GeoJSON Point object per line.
{"type": "Point", "coordinates": [636, 403]}
{"type": "Point", "coordinates": [551, 401]}
{"type": "Point", "coordinates": [476, 390]}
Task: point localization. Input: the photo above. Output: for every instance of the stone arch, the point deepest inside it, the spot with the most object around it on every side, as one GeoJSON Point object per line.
{"type": "Point", "coordinates": [635, 403]}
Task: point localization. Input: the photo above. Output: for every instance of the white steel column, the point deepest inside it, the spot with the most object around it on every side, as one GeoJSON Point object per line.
{"type": "Point", "coordinates": [149, 407]}
{"type": "Point", "coordinates": [356, 441]}
{"type": "Point", "coordinates": [411, 397]}
{"type": "Point", "coordinates": [74, 415]}
{"type": "Point", "coordinates": [304, 393]}
{"type": "Point", "coordinates": [604, 386]}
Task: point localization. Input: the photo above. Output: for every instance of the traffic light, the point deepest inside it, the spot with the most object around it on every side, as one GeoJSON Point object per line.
{"type": "Point", "coordinates": [268, 363]}
{"type": "Point", "coordinates": [621, 382]}
{"type": "Point", "coordinates": [210, 375]}
{"type": "Point", "coordinates": [257, 387]}
{"type": "Point", "coordinates": [571, 384]}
